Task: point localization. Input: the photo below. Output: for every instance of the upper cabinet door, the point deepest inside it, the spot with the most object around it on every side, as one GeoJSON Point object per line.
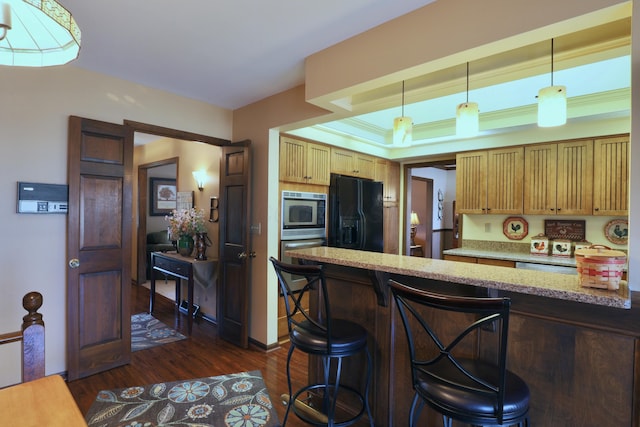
{"type": "Point", "coordinates": [575, 178]}
{"type": "Point", "coordinates": [293, 164]}
{"type": "Point", "coordinates": [318, 164]}
{"type": "Point", "coordinates": [471, 182]}
{"type": "Point", "coordinates": [505, 181]}
{"type": "Point", "coordinates": [611, 176]}
{"type": "Point", "coordinates": [540, 179]}
{"type": "Point", "coordinates": [304, 162]}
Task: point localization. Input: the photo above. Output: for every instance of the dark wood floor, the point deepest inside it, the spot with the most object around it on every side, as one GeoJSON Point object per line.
{"type": "Point", "coordinates": [203, 354]}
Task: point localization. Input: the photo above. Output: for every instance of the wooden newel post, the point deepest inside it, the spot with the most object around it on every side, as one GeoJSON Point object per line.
{"type": "Point", "coordinates": [32, 338]}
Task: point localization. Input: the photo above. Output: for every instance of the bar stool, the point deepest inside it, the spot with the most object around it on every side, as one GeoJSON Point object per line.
{"type": "Point", "coordinates": [453, 384]}
{"type": "Point", "coordinates": [326, 337]}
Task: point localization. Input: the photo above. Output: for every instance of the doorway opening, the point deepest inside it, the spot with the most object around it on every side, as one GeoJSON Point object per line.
{"type": "Point", "coordinates": [172, 159]}
{"type": "Point", "coordinates": [430, 192]}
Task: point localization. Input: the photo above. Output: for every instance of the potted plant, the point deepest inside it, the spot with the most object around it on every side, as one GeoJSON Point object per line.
{"type": "Point", "coordinates": [184, 224]}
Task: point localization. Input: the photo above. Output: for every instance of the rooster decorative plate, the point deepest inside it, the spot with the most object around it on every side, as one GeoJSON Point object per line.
{"type": "Point", "coordinates": [617, 231]}
{"type": "Point", "coordinates": [515, 228]}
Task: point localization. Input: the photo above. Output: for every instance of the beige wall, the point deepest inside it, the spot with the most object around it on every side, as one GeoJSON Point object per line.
{"type": "Point", "coordinates": [33, 118]}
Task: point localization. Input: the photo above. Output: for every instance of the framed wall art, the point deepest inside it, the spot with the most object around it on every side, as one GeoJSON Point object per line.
{"type": "Point", "coordinates": [162, 196]}
{"type": "Point", "coordinates": [515, 228]}
{"type": "Point", "coordinates": [617, 231]}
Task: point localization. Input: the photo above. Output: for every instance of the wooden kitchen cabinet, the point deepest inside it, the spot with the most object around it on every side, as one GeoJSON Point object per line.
{"type": "Point", "coordinates": [389, 173]}
{"type": "Point", "coordinates": [391, 219]}
{"type": "Point", "coordinates": [558, 178]}
{"type": "Point", "coordinates": [304, 162]}
{"type": "Point", "coordinates": [471, 182]}
{"type": "Point", "coordinates": [352, 163]}
{"type": "Point", "coordinates": [490, 182]}
{"type": "Point", "coordinates": [485, 261]}
{"type": "Point", "coordinates": [611, 176]}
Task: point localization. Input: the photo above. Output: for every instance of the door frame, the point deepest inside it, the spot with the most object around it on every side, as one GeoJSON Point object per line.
{"type": "Point", "coordinates": [143, 208]}
{"type": "Point", "coordinates": [437, 161]}
{"type": "Point", "coordinates": [163, 132]}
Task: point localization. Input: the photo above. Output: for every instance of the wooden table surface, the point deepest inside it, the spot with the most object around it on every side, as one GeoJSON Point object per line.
{"type": "Point", "coordinates": [46, 401]}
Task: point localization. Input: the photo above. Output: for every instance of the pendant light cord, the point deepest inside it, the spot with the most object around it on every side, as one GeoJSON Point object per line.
{"type": "Point", "coordinates": [467, 82]}
{"type": "Point", "coordinates": [551, 62]}
{"type": "Point", "coordinates": [403, 98]}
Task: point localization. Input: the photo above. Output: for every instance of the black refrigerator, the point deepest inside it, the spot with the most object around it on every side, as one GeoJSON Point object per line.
{"type": "Point", "coordinates": [355, 213]}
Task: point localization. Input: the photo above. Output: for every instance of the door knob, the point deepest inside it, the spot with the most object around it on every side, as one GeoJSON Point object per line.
{"type": "Point", "coordinates": [242, 255]}
{"type": "Point", "coordinates": [74, 263]}
{"type": "Point", "coordinates": [252, 254]}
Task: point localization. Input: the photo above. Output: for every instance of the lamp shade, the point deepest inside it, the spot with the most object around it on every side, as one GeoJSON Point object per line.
{"type": "Point", "coordinates": [552, 106]}
{"type": "Point", "coordinates": [402, 129]}
{"type": "Point", "coordinates": [414, 218]}
{"type": "Point", "coordinates": [39, 33]}
{"type": "Point", "coordinates": [467, 119]}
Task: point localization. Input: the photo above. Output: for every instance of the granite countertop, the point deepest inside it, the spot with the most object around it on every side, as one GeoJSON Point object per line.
{"type": "Point", "coordinates": [513, 256]}
{"type": "Point", "coordinates": [551, 285]}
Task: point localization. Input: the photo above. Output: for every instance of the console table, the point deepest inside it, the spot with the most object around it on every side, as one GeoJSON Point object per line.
{"type": "Point", "coordinates": [181, 267]}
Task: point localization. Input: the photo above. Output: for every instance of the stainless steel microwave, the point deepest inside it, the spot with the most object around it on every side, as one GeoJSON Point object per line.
{"type": "Point", "coordinates": [303, 215]}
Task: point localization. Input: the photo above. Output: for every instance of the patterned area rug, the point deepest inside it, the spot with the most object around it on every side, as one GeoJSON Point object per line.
{"type": "Point", "coordinates": [236, 400]}
{"type": "Point", "coordinates": [147, 332]}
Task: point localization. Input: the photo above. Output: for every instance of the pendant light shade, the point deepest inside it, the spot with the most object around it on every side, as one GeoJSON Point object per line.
{"type": "Point", "coordinates": [467, 119]}
{"type": "Point", "coordinates": [552, 106]}
{"type": "Point", "coordinates": [552, 103]}
{"type": "Point", "coordinates": [467, 116]}
{"type": "Point", "coordinates": [402, 126]}
{"type": "Point", "coordinates": [37, 33]}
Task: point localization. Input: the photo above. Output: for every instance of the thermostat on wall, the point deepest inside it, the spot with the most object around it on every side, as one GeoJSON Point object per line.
{"type": "Point", "coordinates": [42, 198]}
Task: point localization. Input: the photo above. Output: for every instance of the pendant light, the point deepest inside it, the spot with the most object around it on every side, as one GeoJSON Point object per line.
{"type": "Point", "coordinates": [467, 118]}
{"type": "Point", "coordinates": [37, 33]}
{"type": "Point", "coordinates": [552, 103]}
{"type": "Point", "coordinates": [402, 126]}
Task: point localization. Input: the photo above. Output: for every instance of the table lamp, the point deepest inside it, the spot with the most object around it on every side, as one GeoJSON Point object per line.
{"type": "Point", "coordinates": [415, 221]}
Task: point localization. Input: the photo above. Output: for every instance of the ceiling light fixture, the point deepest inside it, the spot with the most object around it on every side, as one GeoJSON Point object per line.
{"type": "Point", "coordinates": [37, 33]}
{"type": "Point", "coordinates": [402, 126]}
{"type": "Point", "coordinates": [552, 103]}
{"type": "Point", "coordinates": [467, 116]}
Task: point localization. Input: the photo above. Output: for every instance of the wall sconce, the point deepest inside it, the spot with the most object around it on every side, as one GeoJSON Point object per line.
{"type": "Point", "coordinates": [415, 222]}
{"type": "Point", "coordinates": [200, 177]}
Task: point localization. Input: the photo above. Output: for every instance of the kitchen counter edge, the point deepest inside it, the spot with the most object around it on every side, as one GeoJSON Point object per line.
{"type": "Point", "coordinates": [545, 284]}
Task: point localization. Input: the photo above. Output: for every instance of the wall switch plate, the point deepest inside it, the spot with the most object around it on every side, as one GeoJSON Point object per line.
{"type": "Point", "coordinates": [256, 228]}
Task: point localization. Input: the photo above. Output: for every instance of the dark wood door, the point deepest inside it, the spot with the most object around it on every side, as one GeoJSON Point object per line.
{"type": "Point", "coordinates": [233, 283]}
{"type": "Point", "coordinates": [100, 158]}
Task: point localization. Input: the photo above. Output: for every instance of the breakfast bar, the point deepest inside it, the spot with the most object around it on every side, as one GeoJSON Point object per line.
{"type": "Point", "coordinates": [577, 348]}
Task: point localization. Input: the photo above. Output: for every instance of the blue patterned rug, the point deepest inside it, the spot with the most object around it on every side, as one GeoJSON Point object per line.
{"type": "Point", "coordinates": [236, 400]}
{"type": "Point", "coordinates": [147, 332]}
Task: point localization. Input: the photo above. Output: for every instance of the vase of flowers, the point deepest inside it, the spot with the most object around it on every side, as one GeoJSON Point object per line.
{"type": "Point", "coordinates": [184, 224]}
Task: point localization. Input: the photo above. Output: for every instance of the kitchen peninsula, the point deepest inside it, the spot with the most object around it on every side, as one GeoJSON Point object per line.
{"type": "Point", "coordinates": [577, 348]}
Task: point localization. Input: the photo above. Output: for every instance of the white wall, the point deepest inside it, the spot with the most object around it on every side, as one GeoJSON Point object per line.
{"type": "Point", "coordinates": [33, 118]}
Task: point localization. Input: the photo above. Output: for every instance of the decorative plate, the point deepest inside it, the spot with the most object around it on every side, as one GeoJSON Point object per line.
{"type": "Point", "coordinates": [515, 228]}
{"type": "Point", "coordinates": [617, 231]}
